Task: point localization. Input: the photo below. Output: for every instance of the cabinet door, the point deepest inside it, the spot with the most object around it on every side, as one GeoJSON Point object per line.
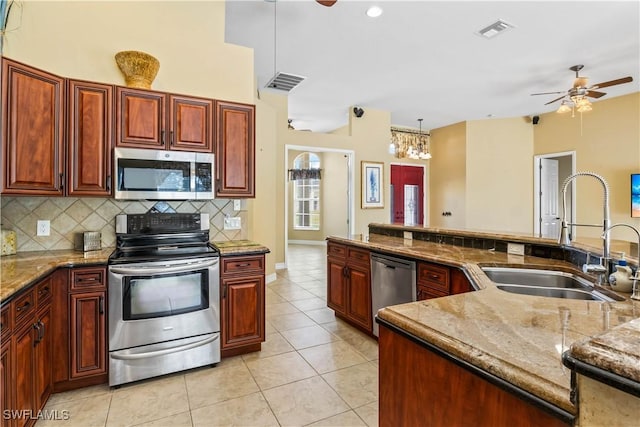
{"type": "Point", "coordinates": [191, 124]}
{"type": "Point", "coordinates": [23, 368]}
{"type": "Point", "coordinates": [32, 139]}
{"type": "Point", "coordinates": [140, 118]}
{"type": "Point", "coordinates": [43, 351]}
{"type": "Point", "coordinates": [235, 150]}
{"type": "Point", "coordinates": [242, 311]}
{"type": "Point", "coordinates": [87, 334]}
{"type": "Point", "coordinates": [359, 297]}
{"type": "Point", "coordinates": [336, 286]}
{"type": "Point", "coordinates": [6, 382]}
{"type": "Point", "coordinates": [90, 137]}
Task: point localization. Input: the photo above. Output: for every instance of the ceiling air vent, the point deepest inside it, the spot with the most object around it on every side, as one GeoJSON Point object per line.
{"type": "Point", "coordinates": [494, 29]}
{"type": "Point", "coordinates": [284, 81]}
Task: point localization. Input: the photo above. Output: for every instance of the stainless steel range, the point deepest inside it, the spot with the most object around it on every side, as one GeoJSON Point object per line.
{"type": "Point", "coordinates": [164, 299]}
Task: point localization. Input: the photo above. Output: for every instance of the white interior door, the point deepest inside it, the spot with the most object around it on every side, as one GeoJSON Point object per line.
{"type": "Point", "coordinates": [549, 199]}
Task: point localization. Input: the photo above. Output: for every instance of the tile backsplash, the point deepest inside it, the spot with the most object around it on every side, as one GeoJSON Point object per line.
{"type": "Point", "coordinates": [69, 215]}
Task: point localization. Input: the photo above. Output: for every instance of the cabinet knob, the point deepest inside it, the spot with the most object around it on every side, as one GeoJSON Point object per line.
{"type": "Point", "coordinates": [23, 306]}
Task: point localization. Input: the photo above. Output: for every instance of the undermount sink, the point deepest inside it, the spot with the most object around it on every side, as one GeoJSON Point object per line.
{"type": "Point", "coordinates": [545, 283]}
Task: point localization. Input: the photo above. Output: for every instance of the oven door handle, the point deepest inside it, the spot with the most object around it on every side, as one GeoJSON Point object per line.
{"type": "Point", "coordinates": [156, 269]}
{"type": "Point", "coordinates": [146, 355]}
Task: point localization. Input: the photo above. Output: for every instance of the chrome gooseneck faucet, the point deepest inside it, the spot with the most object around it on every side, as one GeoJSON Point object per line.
{"type": "Point", "coordinates": [635, 291]}
{"type": "Point", "coordinates": [564, 238]}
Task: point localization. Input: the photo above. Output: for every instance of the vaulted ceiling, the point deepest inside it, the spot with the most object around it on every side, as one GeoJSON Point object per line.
{"type": "Point", "coordinates": [425, 59]}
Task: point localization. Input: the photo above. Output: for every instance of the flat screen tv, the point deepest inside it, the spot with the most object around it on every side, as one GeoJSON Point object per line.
{"type": "Point", "coordinates": [635, 195]}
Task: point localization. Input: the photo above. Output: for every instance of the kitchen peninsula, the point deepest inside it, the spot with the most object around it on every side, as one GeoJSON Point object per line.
{"type": "Point", "coordinates": [492, 357]}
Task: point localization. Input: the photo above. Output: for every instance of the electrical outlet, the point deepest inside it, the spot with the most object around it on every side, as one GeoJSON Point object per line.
{"type": "Point", "coordinates": [515, 249]}
{"type": "Point", "coordinates": [232, 223]}
{"type": "Point", "coordinates": [44, 227]}
{"type": "Point", "coordinates": [237, 205]}
{"type": "Point", "coordinates": [408, 235]}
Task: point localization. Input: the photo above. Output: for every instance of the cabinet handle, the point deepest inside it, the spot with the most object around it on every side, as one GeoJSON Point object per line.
{"type": "Point", "coordinates": [88, 279]}
{"type": "Point", "coordinates": [23, 306]}
{"type": "Point", "coordinates": [108, 183]}
{"type": "Point", "coordinates": [41, 337]}
{"type": "Point", "coordinates": [61, 181]}
{"type": "Point", "coordinates": [434, 276]}
{"type": "Point", "coordinates": [101, 305]}
{"type": "Point", "coordinates": [245, 264]}
{"type": "Point", "coordinates": [224, 291]}
{"type": "Point", "coordinates": [162, 137]}
{"type": "Point", "coordinates": [171, 138]}
{"type": "Point", "coordinates": [36, 326]}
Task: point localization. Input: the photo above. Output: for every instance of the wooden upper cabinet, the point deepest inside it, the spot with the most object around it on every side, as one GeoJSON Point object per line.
{"type": "Point", "coordinates": [191, 124]}
{"type": "Point", "coordinates": [140, 118]}
{"type": "Point", "coordinates": [235, 150]}
{"type": "Point", "coordinates": [90, 138]}
{"type": "Point", "coordinates": [147, 119]}
{"type": "Point", "coordinates": [33, 130]}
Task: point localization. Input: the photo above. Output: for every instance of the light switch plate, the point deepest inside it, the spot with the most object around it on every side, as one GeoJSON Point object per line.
{"type": "Point", "coordinates": [237, 205]}
{"type": "Point", "coordinates": [408, 235]}
{"type": "Point", "coordinates": [232, 223]}
{"type": "Point", "coordinates": [515, 248]}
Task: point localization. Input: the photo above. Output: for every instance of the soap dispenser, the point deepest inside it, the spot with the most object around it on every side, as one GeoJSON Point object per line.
{"type": "Point", "coordinates": [621, 280]}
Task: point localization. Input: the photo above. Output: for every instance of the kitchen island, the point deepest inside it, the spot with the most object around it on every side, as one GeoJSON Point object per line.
{"type": "Point", "coordinates": [512, 342]}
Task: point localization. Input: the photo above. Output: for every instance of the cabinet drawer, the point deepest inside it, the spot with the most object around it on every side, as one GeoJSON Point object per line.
{"type": "Point", "coordinates": [336, 250]}
{"type": "Point", "coordinates": [243, 265]}
{"type": "Point", "coordinates": [358, 256]}
{"type": "Point", "coordinates": [44, 291]}
{"type": "Point", "coordinates": [434, 276]}
{"type": "Point", "coordinates": [23, 307]}
{"type": "Point", "coordinates": [88, 278]}
{"type": "Point", "coordinates": [427, 292]}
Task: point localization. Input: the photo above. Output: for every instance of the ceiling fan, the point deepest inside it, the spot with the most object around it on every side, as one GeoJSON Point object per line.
{"type": "Point", "coordinates": [580, 88]}
{"type": "Point", "coordinates": [327, 3]}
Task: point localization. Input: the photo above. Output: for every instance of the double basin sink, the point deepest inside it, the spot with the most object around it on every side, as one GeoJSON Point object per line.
{"type": "Point", "coordinates": [547, 283]}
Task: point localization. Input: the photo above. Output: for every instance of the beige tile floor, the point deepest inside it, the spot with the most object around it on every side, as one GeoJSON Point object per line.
{"type": "Point", "coordinates": [313, 370]}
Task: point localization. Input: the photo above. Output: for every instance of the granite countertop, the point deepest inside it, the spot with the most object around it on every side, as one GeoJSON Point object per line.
{"type": "Point", "coordinates": [24, 268]}
{"type": "Point", "coordinates": [518, 338]}
{"type": "Point", "coordinates": [240, 247]}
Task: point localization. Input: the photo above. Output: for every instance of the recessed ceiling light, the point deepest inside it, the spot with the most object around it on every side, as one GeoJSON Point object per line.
{"type": "Point", "coordinates": [374, 11]}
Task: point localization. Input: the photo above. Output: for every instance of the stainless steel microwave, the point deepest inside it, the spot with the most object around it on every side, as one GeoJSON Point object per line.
{"type": "Point", "coordinates": [163, 175]}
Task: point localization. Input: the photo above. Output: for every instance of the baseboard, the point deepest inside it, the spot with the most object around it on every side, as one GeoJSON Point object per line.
{"type": "Point", "coordinates": [270, 278]}
{"type": "Point", "coordinates": [281, 266]}
{"type": "Point", "coordinates": [308, 242]}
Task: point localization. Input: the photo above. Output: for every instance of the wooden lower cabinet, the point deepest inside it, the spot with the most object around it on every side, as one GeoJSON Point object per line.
{"type": "Point", "coordinates": [436, 280]}
{"type": "Point", "coordinates": [349, 284]}
{"type": "Point", "coordinates": [242, 300]}
{"type": "Point", "coordinates": [32, 371]}
{"type": "Point", "coordinates": [88, 338]}
{"type": "Point", "coordinates": [6, 383]}
{"type": "Point", "coordinates": [419, 387]}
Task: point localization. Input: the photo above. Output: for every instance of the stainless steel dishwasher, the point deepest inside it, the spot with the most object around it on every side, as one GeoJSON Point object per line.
{"type": "Point", "coordinates": [393, 281]}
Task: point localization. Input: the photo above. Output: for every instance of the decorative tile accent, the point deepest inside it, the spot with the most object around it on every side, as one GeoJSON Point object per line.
{"type": "Point", "coordinates": [69, 215]}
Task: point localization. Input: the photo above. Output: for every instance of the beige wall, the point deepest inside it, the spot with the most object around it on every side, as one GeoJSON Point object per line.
{"type": "Point", "coordinates": [607, 142]}
{"type": "Point", "coordinates": [499, 179]}
{"type": "Point", "coordinates": [446, 185]}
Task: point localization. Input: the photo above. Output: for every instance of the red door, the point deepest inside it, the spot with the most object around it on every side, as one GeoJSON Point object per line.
{"type": "Point", "coordinates": [402, 175]}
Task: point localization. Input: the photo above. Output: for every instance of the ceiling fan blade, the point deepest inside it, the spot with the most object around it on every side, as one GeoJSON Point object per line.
{"type": "Point", "coordinates": [557, 99]}
{"type": "Point", "coordinates": [612, 82]}
{"type": "Point", "coordinates": [327, 3]}
{"type": "Point", "coordinates": [594, 94]}
{"type": "Point", "coordinates": [546, 93]}
{"type": "Point", "coordinates": [580, 82]}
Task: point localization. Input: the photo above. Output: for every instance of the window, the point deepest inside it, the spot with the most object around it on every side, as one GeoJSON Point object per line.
{"type": "Point", "coordinates": [306, 195]}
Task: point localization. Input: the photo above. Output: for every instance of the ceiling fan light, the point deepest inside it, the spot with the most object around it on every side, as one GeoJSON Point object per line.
{"type": "Point", "coordinates": [564, 108]}
{"type": "Point", "coordinates": [584, 107]}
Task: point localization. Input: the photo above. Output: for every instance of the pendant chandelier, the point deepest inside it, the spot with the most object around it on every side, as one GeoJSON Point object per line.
{"type": "Point", "coordinates": [411, 144]}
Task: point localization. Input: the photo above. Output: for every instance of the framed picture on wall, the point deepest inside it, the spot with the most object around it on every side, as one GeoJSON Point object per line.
{"type": "Point", "coordinates": [372, 182]}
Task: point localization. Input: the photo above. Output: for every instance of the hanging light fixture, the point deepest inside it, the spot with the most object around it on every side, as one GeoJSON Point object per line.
{"type": "Point", "coordinates": [410, 143]}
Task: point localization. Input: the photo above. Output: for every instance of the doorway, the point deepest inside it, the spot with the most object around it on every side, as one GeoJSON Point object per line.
{"type": "Point", "coordinates": [337, 195]}
{"type": "Point", "coordinates": [550, 171]}
{"type": "Point", "coordinates": [407, 194]}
